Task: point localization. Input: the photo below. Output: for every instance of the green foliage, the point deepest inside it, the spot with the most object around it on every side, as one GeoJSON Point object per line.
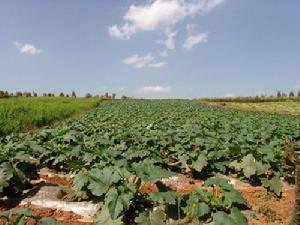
{"type": "Point", "coordinates": [200, 163]}
{"type": "Point", "coordinates": [206, 206]}
{"type": "Point", "coordinates": [151, 173]}
{"type": "Point", "coordinates": [101, 180]}
{"type": "Point", "coordinates": [274, 184]}
{"type": "Point", "coordinates": [6, 173]}
{"type": "Point", "coordinates": [21, 113]}
{"type": "Point", "coordinates": [104, 218]}
{"type": "Point", "coordinates": [234, 218]}
{"type": "Point", "coordinates": [252, 167]}
{"type": "Point", "coordinates": [117, 148]}
{"type": "Point", "coordinates": [14, 174]}
{"type": "Point", "coordinates": [23, 214]}
{"type": "Point", "coordinates": [156, 217]}
{"type": "Point", "coordinates": [169, 197]}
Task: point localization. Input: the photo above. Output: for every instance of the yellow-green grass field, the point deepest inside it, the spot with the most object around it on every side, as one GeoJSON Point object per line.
{"type": "Point", "coordinates": [19, 114]}
{"type": "Point", "coordinates": [289, 107]}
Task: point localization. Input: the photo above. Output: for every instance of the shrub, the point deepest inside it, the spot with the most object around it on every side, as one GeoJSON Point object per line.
{"type": "Point", "coordinates": [88, 95]}
{"type": "Point", "coordinates": [73, 94]}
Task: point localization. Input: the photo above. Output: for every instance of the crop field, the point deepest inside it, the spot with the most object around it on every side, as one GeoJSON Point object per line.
{"type": "Point", "coordinates": [22, 114]}
{"type": "Point", "coordinates": [123, 153]}
{"type": "Point", "coordinates": [284, 107]}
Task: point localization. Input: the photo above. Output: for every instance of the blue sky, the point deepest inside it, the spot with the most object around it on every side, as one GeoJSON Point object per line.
{"type": "Point", "coordinates": [158, 48]}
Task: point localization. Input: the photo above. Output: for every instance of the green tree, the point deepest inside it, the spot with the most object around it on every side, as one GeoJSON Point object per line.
{"type": "Point", "coordinates": [1, 94]}
{"type": "Point", "coordinates": [73, 94]}
{"type": "Point", "coordinates": [19, 93]}
{"type": "Point", "coordinates": [279, 94]}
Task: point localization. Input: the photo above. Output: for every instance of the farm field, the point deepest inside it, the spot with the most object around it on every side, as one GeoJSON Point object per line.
{"type": "Point", "coordinates": [284, 107]}
{"type": "Point", "coordinates": [163, 162]}
{"type": "Point", "coordinates": [23, 114]}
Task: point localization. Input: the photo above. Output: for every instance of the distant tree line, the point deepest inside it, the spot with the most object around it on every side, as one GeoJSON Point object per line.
{"type": "Point", "coordinates": [292, 94]}
{"type": "Point", "coordinates": [6, 94]}
{"type": "Point", "coordinates": [280, 96]}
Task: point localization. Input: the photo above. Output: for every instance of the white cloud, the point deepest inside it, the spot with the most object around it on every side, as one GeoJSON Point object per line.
{"type": "Point", "coordinates": [170, 39]}
{"type": "Point", "coordinates": [139, 61]}
{"type": "Point", "coordinates": [228, 95]}
{"type": "Point", "coordinates": [158, 14]}
{"type": "Point", "coordinates": [164, 53]}
{"type": "Point", "coordinates": [123, 32]}
{"type": "Point", "coordinates": [143, 61]}
{"type": "Point", "coordinates": [190, 28]}
{"type": "Point", "coordinates": [169, 42]}
{"type": "Point", "coordinates": [298, 87]}
{"type": "Point", "coordinates": [155, 90]}
{"type": "Point", "coordinates": [193, 40]}
{"type": "Point", "coordinates": [28, 49]}
{"type": "Point", "coordinates": [157, 65]}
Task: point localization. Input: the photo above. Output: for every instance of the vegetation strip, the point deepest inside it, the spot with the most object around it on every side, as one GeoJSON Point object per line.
{"type": "Point", "coordinates": [115, 149]}
{"type": "Point", "coordinates": [22, 113]}
{"type": "Point", "coordinates": [291, 107]}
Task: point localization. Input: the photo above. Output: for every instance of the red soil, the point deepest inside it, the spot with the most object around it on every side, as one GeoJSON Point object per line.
{"type": "Point", "coordinates": [268, 209]}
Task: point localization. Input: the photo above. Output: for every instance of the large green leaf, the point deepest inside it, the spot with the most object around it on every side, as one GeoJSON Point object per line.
{"type": "Point", "coordinates": [274, 184]}
{"type": "Point", "coordinates": [234, 197]}
{"type": "Point", "coordinates": [202, 209]}
{"type": "Point", "coordinates": [101, 180]}
{"type": "Point", "coordinates": [6, 173]}
{"type": "Point", "coordinates": [20, 220]}
{"type": "Point", "coordinates": [156, 217]}
{"type": "Point", "coordinates": [197, 204]}
{"type": "Point", "coordinates": [104, 218]}
{"type": "Point", "coordinates": [117, 202]}
{"type": "Point", "coordinates": [80, 180]}
{"type": "Point", "coordinates": [236, 217]}
{"type": "Point", "coordinates": [164, 197]}
{"type": "Point", "coordinates": [249, 165]}
{"type": "Point", "coordinates": [151, 173]}
{"type": "Point", "coordinates": [200, 163]}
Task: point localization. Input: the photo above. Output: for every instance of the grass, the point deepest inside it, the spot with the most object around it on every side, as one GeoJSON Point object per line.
{"type": "Point", "coordinates": [289, 107]}
{"type": "Point", "coordinates": [23, 114]}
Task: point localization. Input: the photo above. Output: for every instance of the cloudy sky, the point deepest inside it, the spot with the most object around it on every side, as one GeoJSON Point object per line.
{"type": "Point", "coordinates": [150, 48]}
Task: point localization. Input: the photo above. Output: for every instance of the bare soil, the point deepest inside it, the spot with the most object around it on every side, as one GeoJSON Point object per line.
{"type": "Point", "coordinates": [65, 217]}
{"type": "Point", "coordinates": [265, 207]}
